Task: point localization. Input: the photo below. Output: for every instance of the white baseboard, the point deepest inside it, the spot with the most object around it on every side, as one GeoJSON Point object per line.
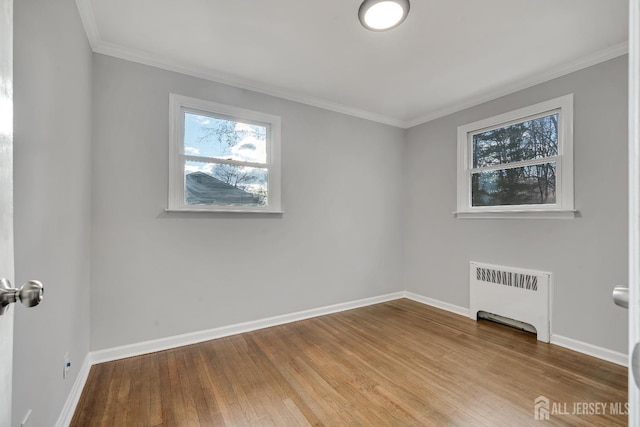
{"type": "Point", "coordinates": [570, 343]}
{"type": "Point", "coordinates": [590, 350]}
{"type": "Point", "coordinates": [437, 304]}
{"type": "Point", "coordinates": [74, 395]}
{"type": "Point", "coordinates": [152, 346]}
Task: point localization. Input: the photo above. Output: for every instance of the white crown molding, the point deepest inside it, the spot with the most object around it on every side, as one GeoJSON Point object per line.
{"type": "Point", "coordinates": [206, 74]}
{"type": "Point", "coordinates": [158, 61]}
{"type": "Point", "coordinates": [559, 71]}
{"type": "Point", "coordinates": [100, 46]}
{"type": "Point", "coordinates": [88, 22]}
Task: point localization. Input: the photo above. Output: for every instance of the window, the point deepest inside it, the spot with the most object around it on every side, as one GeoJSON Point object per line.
{"type": "Point", "coordinates": [518, 164]}
{"type": "Point", "coordinates": [222, 158]}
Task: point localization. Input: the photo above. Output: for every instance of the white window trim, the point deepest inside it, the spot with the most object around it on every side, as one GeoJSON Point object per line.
{"type": "Point", "coordinates": [564, 206]}
{"type": "Point", "coordinates": [178, 104]}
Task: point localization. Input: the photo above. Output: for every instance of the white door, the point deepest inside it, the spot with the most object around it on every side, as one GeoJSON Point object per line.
{"type": "Point", "coordinates": [634, 212]}
{"type": "Point", "coordinates": [6, 202]}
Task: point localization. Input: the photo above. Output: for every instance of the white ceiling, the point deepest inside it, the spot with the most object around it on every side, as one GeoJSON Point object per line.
{"type": "Point", "coordinates": [447, 55]}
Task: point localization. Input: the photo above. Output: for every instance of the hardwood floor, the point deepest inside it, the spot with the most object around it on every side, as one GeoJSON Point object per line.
{"type": "Point", "coordinates": [392, 364]}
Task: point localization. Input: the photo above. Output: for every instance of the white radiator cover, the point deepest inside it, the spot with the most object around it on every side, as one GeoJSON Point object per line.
{"type": "Point", "coordinates": [515, 293]}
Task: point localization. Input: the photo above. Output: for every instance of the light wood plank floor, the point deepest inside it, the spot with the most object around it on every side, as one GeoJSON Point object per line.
{"type": "Point", "coordinates": [392, 364]}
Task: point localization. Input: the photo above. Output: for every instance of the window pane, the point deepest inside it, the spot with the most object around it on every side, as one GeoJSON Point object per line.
{"type": "Point", "coordinates": [529, 185]}
{"type": "Point", "coordinates": [532, 139]}
{"type": "Point", "coordinates": [220, 184]}
{"type": "Point", "coordinates": [224, 139]}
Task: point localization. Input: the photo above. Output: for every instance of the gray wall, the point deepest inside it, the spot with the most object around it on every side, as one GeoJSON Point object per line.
{"type": "Point", "coordinates": [52, 202]}
{"type": "Point", "coordinates": [365, 213]}
{"type": "Point", "coordinates": [587, 255]}
{"type": "Point", "coordinates": [157, 274]}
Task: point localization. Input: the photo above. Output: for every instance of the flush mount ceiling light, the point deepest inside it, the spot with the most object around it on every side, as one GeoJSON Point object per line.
{"type": "Point", "coordinates": [381, 15]}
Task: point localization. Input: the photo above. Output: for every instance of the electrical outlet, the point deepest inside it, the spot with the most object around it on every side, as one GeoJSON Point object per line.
{"type": "Point", "coordinates": [67, 366]}
{"type": "Point", "coordinates": [25, 421]}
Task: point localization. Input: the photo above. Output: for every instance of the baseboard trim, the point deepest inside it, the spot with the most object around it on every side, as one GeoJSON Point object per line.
{"type": "Point", "coordinates": [590, 350]}
{"type": "Point", "coordinates": [437, 304]}
{"type": "Point", "coordinates": [161, 344]}
{"type": "Point", "coordinates": [570, 343]}
{"type": "Point", "coordinates": [152, 346]}
{"type": "Point", "coordinates": [74, 395]}
{"type": "Point", "coordinates": [116, 353]}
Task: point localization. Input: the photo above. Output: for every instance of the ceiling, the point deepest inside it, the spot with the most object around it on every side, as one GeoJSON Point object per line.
{"type": "Point", "coordinates": [447, 55]}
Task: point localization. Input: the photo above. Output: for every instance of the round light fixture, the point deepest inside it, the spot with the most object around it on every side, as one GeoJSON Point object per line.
{"type": "Point", "coordinates": [381, 15]}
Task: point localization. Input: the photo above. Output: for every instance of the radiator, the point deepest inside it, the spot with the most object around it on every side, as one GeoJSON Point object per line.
{"type": "Point", "coordinates": [513, 293]}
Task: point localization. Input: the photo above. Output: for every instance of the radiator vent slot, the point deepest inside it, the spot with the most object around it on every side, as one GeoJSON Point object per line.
{"type": "Point", "coordinates": [500, 277]}
{"type": "Point", "coordinates": [518, 294]}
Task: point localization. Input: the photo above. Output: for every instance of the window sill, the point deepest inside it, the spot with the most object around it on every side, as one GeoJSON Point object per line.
{"type": "Point", "coordinates": [239, 211]}
{"type": "Point", "coordinates": [516, 214]}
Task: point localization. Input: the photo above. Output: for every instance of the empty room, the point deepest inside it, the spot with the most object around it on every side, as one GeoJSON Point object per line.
{"type": "Point", "coordinates": [341, 212]}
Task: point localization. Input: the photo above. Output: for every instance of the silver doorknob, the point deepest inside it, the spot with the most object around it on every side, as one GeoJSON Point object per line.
{"type": "Point", "coordinates": [621, 296]}
{"type": "Point", "coordinates": [30, 294]}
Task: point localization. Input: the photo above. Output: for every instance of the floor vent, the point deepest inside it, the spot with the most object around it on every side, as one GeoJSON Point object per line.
{"type": "Point", "coordinates": [511, 295]}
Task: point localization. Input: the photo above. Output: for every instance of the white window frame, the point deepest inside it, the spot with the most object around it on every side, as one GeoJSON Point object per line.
{"type": "Point", "coordinates": [564, 206]}
{"type": "Point", "coordinates": [178, 105]}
